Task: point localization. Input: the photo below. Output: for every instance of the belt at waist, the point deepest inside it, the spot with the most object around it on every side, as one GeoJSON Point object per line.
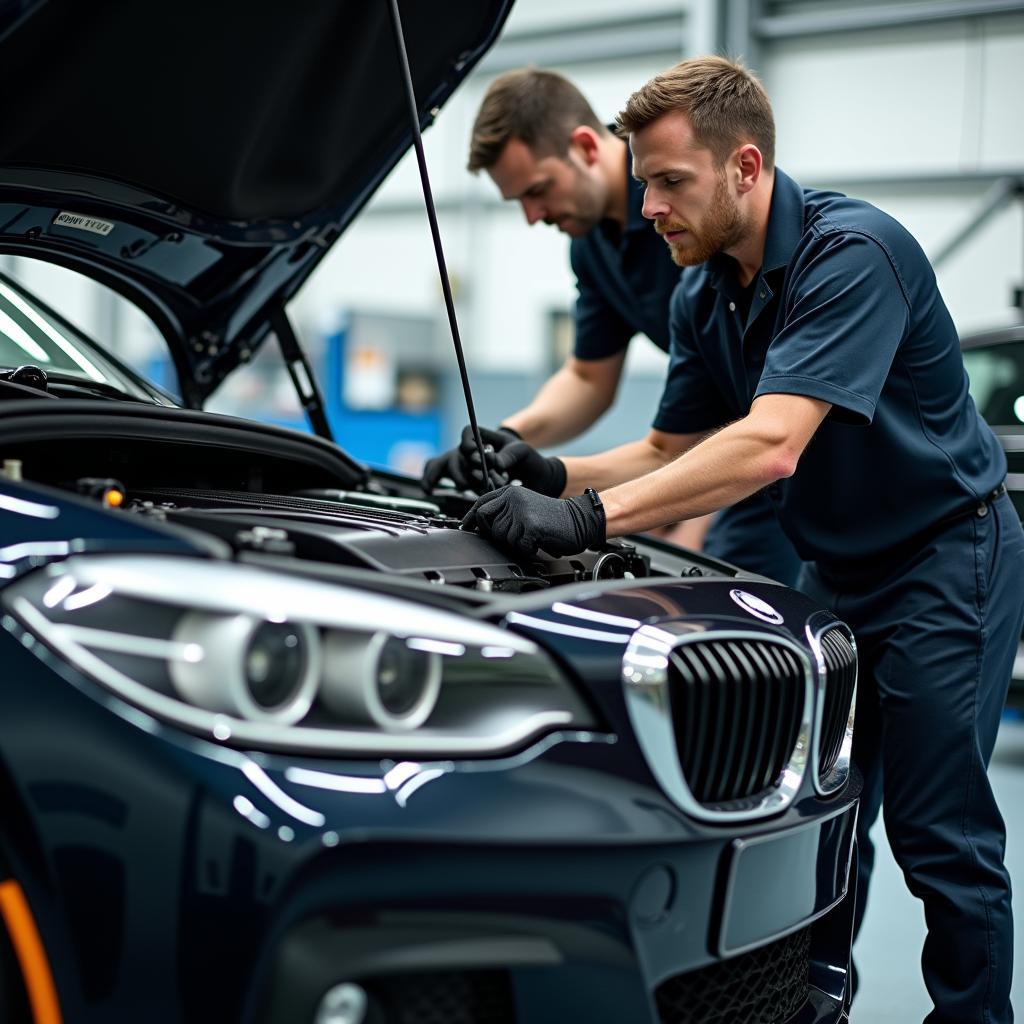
{"type": "Point", "coordinates": [902, 551]}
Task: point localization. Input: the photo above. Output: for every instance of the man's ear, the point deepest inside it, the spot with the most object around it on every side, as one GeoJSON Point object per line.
{"type": "Point", "coordinates": [587, 143]}
{"type": "Point", "coordinates": [748, 165]}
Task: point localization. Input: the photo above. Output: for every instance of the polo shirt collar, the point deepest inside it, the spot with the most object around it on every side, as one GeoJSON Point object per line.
{"type": "Point", "coordinates": [635, 219]}
{"type": "Point", "coordinates": [785, 222]}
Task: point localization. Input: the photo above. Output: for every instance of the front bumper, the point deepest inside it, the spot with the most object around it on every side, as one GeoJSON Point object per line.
{"type": "Point", "coordinates": [544, 935]}
{"type": "Point", "coordinates": [173, 879]}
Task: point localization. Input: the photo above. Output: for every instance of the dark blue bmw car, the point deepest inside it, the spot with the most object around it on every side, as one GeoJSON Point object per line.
{"type": "Point", "coordinates": [279, 742]}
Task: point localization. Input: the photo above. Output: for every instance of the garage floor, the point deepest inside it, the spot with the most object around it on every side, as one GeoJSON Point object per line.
{"type": "Point", "coordinates": [889, 947]}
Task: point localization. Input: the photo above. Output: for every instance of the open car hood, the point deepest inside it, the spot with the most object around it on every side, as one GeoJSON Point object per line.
{"type": "Point", "coordinates": [200, 157]}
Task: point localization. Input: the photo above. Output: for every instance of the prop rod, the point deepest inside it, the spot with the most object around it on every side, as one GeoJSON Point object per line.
{"type": "Point", "coordinates": [428, 198]}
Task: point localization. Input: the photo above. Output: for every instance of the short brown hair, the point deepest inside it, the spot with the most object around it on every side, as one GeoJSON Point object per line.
{"type": "Point", "coordinates": [540, 108]}
{"type": "Point", "coordinates": [724, 102]}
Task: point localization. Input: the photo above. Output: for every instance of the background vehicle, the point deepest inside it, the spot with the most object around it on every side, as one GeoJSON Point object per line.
{"type": "Point", "coordinates": [995, 364]}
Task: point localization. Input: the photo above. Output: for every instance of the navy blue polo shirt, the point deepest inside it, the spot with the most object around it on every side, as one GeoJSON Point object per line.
{"type": "Point", "coordinates": [845, 309]}
{"type": "Point", "coordinates": [624, 281]}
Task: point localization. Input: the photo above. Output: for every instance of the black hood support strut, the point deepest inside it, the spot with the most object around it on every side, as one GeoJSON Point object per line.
{"type": "Point", "coordinates": [414, 121]}
{"type": "Point", "coordinates": [301, 373]}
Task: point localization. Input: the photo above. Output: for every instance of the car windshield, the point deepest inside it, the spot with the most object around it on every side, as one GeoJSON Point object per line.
{"type": "Point", "coordinates": [31, 334]}
{"type": "Point", "coordinates": [997, 381]}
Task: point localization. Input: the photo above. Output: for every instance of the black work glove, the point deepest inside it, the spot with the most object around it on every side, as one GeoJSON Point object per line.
{"type": "Point", "coordinates": [519, 461]}
{"type": "Point", "coordinates": [523, 521]}
{"type": "Point", "coordinates": [509, 458]}
{"type": "Point", "coordinates": [462, 463]}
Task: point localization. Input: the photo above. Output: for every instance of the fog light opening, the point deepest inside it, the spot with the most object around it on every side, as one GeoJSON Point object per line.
{"type": "Point", "coordinates": [345, 1003]}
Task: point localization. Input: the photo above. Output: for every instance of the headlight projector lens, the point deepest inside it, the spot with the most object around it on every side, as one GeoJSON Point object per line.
{"type": "Point", "coordinates": [260, 671]}
{"type": "Point", "coordinates": [380, 680]}
{"type": "Point", "coordinates": [275, 664]}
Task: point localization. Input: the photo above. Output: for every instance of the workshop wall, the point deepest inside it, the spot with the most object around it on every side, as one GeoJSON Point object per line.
{"type": "Point", "coordinates": [920, 118]}
{"type": "Point", "coordinates": [922, 121]}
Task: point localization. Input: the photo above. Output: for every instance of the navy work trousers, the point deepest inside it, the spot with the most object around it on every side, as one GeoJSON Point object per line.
{"type": "Point", "coordinates": [936, 636]}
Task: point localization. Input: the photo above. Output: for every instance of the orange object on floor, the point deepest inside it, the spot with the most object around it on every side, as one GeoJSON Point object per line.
{"type": "Point", "coordinates": [28, 946]}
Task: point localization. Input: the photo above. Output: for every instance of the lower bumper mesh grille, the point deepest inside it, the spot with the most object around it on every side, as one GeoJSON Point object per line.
{"type": "Point", "coordinates": [442, 997]}
{"type": "Point", "coordinates": [765, 986]}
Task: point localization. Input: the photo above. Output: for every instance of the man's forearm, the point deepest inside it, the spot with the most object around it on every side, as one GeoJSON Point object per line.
{"type": "Point", "coordinates": [693, 485]}
{"type": "Point", "coordinates": [719, 471]}
{"type": "Point", "coordinates": [566, 405]}
{"type": "Point", "coordinates": [615, 466]}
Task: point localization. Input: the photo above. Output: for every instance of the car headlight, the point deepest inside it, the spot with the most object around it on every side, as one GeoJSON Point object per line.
{"type": "Point", "coordinates": [264, 660]}
{"type": "Point", "coordinates": [249, 668]}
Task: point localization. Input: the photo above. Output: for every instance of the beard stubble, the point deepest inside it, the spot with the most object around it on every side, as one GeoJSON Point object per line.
{"type": "Point", "coordinates": [723, 228]}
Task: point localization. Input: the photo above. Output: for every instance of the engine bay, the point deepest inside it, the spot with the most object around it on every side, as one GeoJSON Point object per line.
{"type": "Point", "coordinates": [260, 489]}
{"type": "Point", "coordinates": [378, 532]}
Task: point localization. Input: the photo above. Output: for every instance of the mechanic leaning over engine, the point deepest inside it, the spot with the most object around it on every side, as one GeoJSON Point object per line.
{"type": "Point", "coordinates": [812, 354]}
{"type": "Point", "coordinates": [542, 144]}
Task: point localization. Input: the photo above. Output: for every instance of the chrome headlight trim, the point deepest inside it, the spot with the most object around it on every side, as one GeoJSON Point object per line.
{"type": "Point", "coordinates": [645, 680]}
{"type": "Point", "coordinates": [816, 628]}
{"type": "Point", "coordinates": [501, 660]}
{"type": "Point", "coordinates": [218, 682]}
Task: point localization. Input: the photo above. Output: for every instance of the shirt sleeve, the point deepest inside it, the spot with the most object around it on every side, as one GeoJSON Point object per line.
{"type": "Point", "coordinates": [601, 330]}
{"type": "Point", "coordinates": [691, 401]}
{"type": "Point", "coordinates": [847, 315]}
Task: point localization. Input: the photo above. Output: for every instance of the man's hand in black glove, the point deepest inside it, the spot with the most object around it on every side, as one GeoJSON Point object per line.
{"type": "Point", "coordinates": [523, 521]}
{"type": "Point", "coordinates": [462, 463]}
{"type": "Point", "coordinates": [509, 458]}
{"type": "Point", "coordinates": [519, 461]}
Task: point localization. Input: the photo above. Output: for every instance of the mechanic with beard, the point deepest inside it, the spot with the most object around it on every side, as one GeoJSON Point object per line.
{"type": "Point", "coordinates": [542, 144]}
{"type": "Point", "coordinates": [812, 353]}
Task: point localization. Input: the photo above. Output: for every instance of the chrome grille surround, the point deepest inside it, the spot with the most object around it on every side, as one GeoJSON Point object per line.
{"type": "Point", "coordinates": [645, 677]}
{"type": "Point", "coordinates": [835, 651]}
